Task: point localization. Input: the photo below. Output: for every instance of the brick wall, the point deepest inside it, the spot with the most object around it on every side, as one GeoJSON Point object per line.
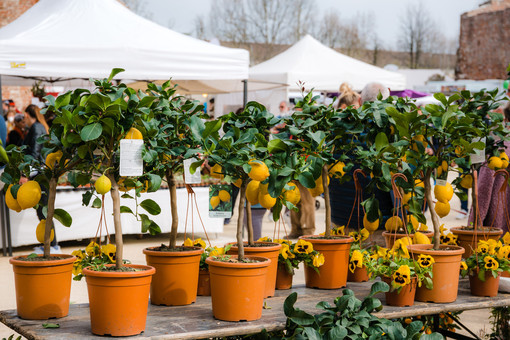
{"type": "Point", "coordinates": [10, 10]}
{"type": "Point", "coordinates": [484, 42]}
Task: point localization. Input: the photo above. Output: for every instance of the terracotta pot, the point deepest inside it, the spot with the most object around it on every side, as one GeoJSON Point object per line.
{"type": "Point", "coordinates": [505, 274]}
{"type": "Point", "coordinates": [238, 289]}
{"type": "Point", "coordinates": [406, 296]}
{"type": "Point", "coordinates": [466, 238]}
{"type": "Point", "coordinates": [445, 272]}
{"type": "Point", "coordinates": [359, 275]}
{"type": "Point", "coordinates": [204, 283]}
{"type": "Point", "coordinates": [43, 287]}
{"type": "Point", "coordinates": [489, 287]}
{"type": "Point", "coordinates": [176, 280]}
{"type": "Point", "coordinates": [390, 237]}
{"type": "Point", "coordinates": [333, 273]}
{"type": "Point", "coordinates": [283, 278]}
{"type": "Point", "coordinates": [119, 300]}
{"type": "Point", "coordinates": [271, 251]}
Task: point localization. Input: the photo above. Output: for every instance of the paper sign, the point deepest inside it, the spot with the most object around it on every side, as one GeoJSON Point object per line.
{"type": "Point", "coordinates": [131, 163]}
{"type": "Point", "coordinates": [480, 157]}
{"type": "Point", "coordinates": [441, 182]}
{"type": "Point", "coordinates": [220, 201]}
{"type": "Point", "coordinates": [190, 178]}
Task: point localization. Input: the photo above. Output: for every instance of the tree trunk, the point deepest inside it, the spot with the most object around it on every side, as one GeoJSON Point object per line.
{"type": "Point", "coordinates": [474, 199]}
{"type": "Point", "coordinates": [119, 244]}
{"type": "Point", "coordinates": [327, 204]}
{"type": "Point", "coordinates": [173, 207]}
{"type": "Point", "coordinates": [52, 193]}
{"type": "Point", "coordinates": [433, 214]}
{"type": "Point", "coordinates": [249, 223]}
{"type": "Point", "coordinates": [240, 220]}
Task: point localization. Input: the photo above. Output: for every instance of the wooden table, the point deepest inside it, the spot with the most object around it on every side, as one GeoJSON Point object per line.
{"type": "Point", "coordinates": [196, 321]}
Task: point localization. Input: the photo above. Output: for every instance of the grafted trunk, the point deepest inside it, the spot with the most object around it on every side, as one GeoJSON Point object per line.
{"type": "Point", "coordinates": [433, 214]}
{"type": "Point", "coordinates": [240, 220]}
{"type": "Point", "coordinates": [52, 193]}
{"type": "Point", "coordinates": [173, 207]}
{"type": "Point", "coordinates": [327, 204]}
{"type": "Point", "coordinates": [119, 243]}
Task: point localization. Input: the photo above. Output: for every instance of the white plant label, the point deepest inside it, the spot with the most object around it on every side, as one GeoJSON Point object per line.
{"type": "Point", "coordinates": [441, 182]}
{"type": "Point", "coordinates": [131, 162]}
{"type": "Point", "coordinates": [190, 178]}
{"type": "Point", "coordinates": [480, 157]}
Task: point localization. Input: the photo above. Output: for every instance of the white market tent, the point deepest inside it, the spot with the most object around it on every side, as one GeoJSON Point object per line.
{"type": "Point", "coordinates": [68, 41]}
{"type": "Point", "coordinates": [322, 68]}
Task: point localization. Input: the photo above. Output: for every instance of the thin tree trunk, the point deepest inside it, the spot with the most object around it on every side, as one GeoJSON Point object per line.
{"type": "Point", "coordinates": [327, 204]}
{"type": "Point", "coordinates": [249, 223]}
{"type": "Point", "coordinates": [173, 207]}
{"type": "Point", "coordinates": [52, 193]}
{"type": "Point", "coordinates": [433, 214]}
{"type": "Point", "coordinates": [474, 199]}
{"type": "Point", "coordinates": [119, 244]}
{"type": "Point", "coordinates": [240, 220]}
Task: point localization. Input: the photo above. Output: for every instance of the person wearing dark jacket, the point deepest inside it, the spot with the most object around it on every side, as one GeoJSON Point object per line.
{"type": "Point", "coordinates": [17, 135]}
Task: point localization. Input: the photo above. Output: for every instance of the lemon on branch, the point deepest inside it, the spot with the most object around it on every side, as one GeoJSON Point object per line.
{"type": "Point", "coordinates": [103, 185]}
{"type": "Point", "coordinates": [443, 193]}
{"type": "Point", "coordinates": [393, 223]}
{"type": "Point", "coordinates": [10, 201]}
{"type": "Point", "coordinates": [39, 232]}
{"type": "Point", "coordinates": [134, 133]}
{"type": "Point", "coordinates": [29, 194]}
{"type": "Point", "coordinates": [259, 170]}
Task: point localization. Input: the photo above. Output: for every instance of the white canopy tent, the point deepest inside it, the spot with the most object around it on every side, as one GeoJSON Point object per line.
{"type": "Point", "coordinates": [66, 42]}
{"type": "Point", "coordinates": [322, 68]}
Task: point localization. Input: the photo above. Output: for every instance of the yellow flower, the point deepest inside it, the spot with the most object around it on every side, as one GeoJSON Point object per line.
{"type": "Point", "coordinates": [493, 245]}
{"type": "Point", "coordinates": [483, 247]}
{"type": "Point", "coordinates": [364, 234]}
{"type": "Point", "coordinates": [503, 252]}
{"type": "Point", "coordinates": [463, 265]}
{"type": "Point", "coordinates": [490, 263]}
{"type": "Point", "coordinates": [318, 260]}
{"type": "Point", "coordinates": [322, 234]}
{"type": "Point", "coordinates": [92, 249]}
{"type": "Point", "coordinates": [80, 254]}
{"type": "Point", "coordinates": [110, 250]}
{"type": "Point", "coordinates": [339, 231]}
{"type": "Point", "coordinates": [285, 251]}
{"type": "Point", "coordinates": [303, 247]}
{"type": "Point", "coordinates": [400, 248]}
{"type": "Point", "coordinates": [77, 269]}
{"type": "Point", "coordinates": [355, 235]}
{"type": "Point", "coordinates": [217, 251]}
{"type": "Point", "coordinates": [264, 239]}
{"type": "Point", "coordinates": [442, 229]}
{"type": "Point", "coordinates": [506, 238]}
{"type": "Point", "coordinates": [425, 261]}
{"type": "Point", "coordinates": [402, 276]}
{"type": "Point", "coordinates": [199, 243]}
{"type": "Point", "coordinates": [356, 260]}
{"type": "Point", "coordinates": [449, 239]}
{"type": "Point", "coordinates": [382, 252]}
{"type": "Point", "coordinates": [188, 242]}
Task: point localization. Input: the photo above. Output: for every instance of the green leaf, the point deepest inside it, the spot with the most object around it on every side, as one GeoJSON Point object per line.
{"type": "Point", "coordinates": [154, 229]}
{"type": "Point", "coordinates": [276, 145]}
{"type": "Point", "coordinates": [288, 305]}
{"type": "Point", "coordinates": [51, 325]}
{"type": "Point", "coordinates": [155, 183]}
{"type": "Point", "coordinates": [96, 203]}
{"type": "Point", "coordinates": [306, 179]}
{"type": "Point", "coordinates": [337, 332]}
{"type": "Point", "coordinates": [114, 72]}
{"type": "Point", "coordinates": [83, 150]}
{"type": "Point", "coordinates": [441, 97]}
{"type": "Point", "coordinates": [124, 209]}
{"type": "Point", "coordinates": [379, 287]}
{"type": "Point", "coordinates": [91, 132]}
{"type": "Point", "coordinates": [312, 334]}
{"type": "Point", "coordinates": [381, 141]}
{"type": "Point", "coordinates": [432, 336]}
{"type": "Point", "coordinates": [63, 217]}
{"type": "Point", "coordinates": [151, 207]}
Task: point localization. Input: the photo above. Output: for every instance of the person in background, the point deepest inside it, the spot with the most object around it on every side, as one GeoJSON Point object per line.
{"type": "Point", "coordinates": [5, 106]}
{"type": "Point", "coordinates": [17, 135]}
{"type": "Point", "coordinates": [37, 127]}
{"type": "Point", "coordinates": [347, 97]}
{"type": "Point", "coordinates": [284, 109]}
{"type": "Point", "coordinates": [9, 116]}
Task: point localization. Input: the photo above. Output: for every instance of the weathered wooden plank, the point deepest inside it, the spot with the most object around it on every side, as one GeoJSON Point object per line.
{"type": "Point", "coordinates": [196, 321]}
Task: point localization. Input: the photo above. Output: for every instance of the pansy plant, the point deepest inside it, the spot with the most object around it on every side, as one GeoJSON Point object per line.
{"type": "Point", "coordinates": [490, 256]}
{"type": "Point", "coordinates": [95, 256]}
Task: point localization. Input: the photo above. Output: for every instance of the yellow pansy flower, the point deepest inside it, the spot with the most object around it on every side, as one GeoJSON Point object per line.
{"type": "Point", "coordinates": [216, 251]}
{"type": "Point", "coordinates": [402, 276]}
{"type": "Point", "coordinates": [400, 248]}
{"type": "Point", "coordinates": [318, 260]}
{"type": "Point", "coordinates": [425, 261]}
{"type": "Point", "coordinates": [450, 239]}
{"type": "Point", "coordinates": [356, 260]}
{"type": "Point", "coordinates": [483, 247]}
{"type": "Point", "coordinates": [110, 250]}
{"type": "Point", "coordinates": [199, 243]}
{"type": "Point", "coordinates": [264, 239]}
{"type": "Point", "coordinates": [282, 241]}
{"type": "Point", "coordinates": [382, 252]}
{"type": "Point", "coordinates": [355, 235]}
{"type": "Point", "coordinates": [77, 269]}
{"type": "Point", "coordinates": [188, 242]}
{"type": "Point", "coordinates": [92, 249]}
{"type": "Point", "coordinates": [490, 263]}
{"type": "Point", "coordinates": [506, 238]}
{"type": "Point", "coordinates": [442, 229]}
{"type": "Point", "coordinates": [364, 234]}
{"type": "Point", "coordinates": [339, 231]}
{"type": "Point", "coordinates": [463, 265]}
{"type": "Point", "coordinates": [303, 247]}
{"type": "Point", "coordinates": [285, 251]}
{"type": "Point", "coordinates": [80, 254]}
{"type": "Point", "coordinates": [503, 252]}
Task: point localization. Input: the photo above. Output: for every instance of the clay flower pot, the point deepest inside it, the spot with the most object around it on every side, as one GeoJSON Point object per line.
{"type": "Point", "coordinates": [176, 280]}
{"type": "Point", "coordinates": [238, 289]}
{"type": "Point", "coordinates": [119, 300]}
{"type": "Point", "coordinates": [333, 273]}
{"type": "Point", "coordinates": [390, 237]}
{"type": "Point", "coordinates": [271, 251]}
{"type": "Point", "coordinates": [359, 275]}
{"type": "Point", "coordinates": [283, 278]}
{"type": "Point", "coordinates": [204, 283]}
{"type": "Point", "coordinates": [406, 296]}
{"type": "Point", "coordinates": [489, 287]}
{"type": "Point", "coordinates": [43, 287]}
{"type": "Point", "coordinates": [445, 272]}
{"type": "Point", "coordinates": [466, 237]}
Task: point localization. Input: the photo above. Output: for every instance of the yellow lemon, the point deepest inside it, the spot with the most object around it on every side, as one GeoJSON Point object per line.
{"type": "Point", "coordinates": [407, 197]}
{"type": "Point", "coordinates": [29, 194]}
{"type": "Point", "coordinates": [466, 181]}
{"type": "Point", "coordinates": [442, 208]}
{"type": "Point", "coordinates": [420, 238]}
{"type": "Point", "coordinates": [252, 192]}
{"type": "Point", "coordinates": [406, 241]}
{"type": "Point", "coordinates": [216, 171]}
{"type": "Point", "coordinates": [439, 170]}
{"type": "Point", "coordinates": [238, 182]}
{"type": "Point", "coordinates": [53, 158]}
{"type": "Point", "coordinates": [444, 165]}
{"type": "Point", "coordinates": [215, 201]}
{"type": "Point", "coordinates": [370, 226]}
{"type": "Point", "coordinates": [414, 221]}
{"type": "Point", "coordinates": [337, 170]}
{"type": "Point", "coordinates": [495, 163]}
{"type": "Point", "coordinates": [292, 195]}
{"type": "Point", "coordinates": [259, 170]}
{"type": "Point", "coordinates": [420, 139]}
{"type": "Point", "coordinates": [459, 150]}
{"type": "Point", "coordinates": [103, 185]}
{"type": "Point", "coordinates": [443, 193]}
{"type": "Point", "coordinates": [393, 223]}
{"type": "Point", "coordinates": [419, 183]}
{"type": "Point", "coordinates": [134, 133]}
{"type": "Point", "coordinates": [266, 200]}
{"type": "Point", "coordinates": [224, 195]}
{"type": "Point", "coordinates": [263, 188]}
{"type": "Point", "coordinates": [39, 232]}
{"type": "Point", "coordinates": [10, 201]}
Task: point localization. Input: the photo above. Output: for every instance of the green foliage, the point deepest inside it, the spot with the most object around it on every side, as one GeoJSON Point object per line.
{"type": "Point", "coordinates": [11, 337]}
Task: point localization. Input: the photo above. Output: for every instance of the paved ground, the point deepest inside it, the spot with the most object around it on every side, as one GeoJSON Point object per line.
{"type": "Point", "coordinates": [476, 320]}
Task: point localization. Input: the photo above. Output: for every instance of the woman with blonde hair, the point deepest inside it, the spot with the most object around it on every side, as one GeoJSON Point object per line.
{"type": "Point", "coordinates": [347, 97]}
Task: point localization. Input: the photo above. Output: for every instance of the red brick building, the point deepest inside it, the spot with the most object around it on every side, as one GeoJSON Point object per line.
{"type": "Point", "coordinates": [484, 44]}
{"type": "Point", "coordinates": [10, 10]}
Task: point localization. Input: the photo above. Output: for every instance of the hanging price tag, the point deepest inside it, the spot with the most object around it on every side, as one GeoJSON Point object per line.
{"type": "Point", "coordinates": [479, 157]}
{"type": "Point", "coordinates": [220, 201]}
{"type": "Point", "coordinates": [131, 162]}
{"type": "Point", "coordinates": [441, 182]}
{"type": "Point", "coordinates": [190, 178]}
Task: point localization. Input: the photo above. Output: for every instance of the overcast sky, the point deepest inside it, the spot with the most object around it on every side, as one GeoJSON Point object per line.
{"type": "Point", "coordinates": [180, 14]}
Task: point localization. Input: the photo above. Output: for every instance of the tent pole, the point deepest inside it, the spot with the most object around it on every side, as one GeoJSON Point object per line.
{"type": "Point", "coordinates": [1, 99]}
{"type": "Point", "coordinates": [245, 92]}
